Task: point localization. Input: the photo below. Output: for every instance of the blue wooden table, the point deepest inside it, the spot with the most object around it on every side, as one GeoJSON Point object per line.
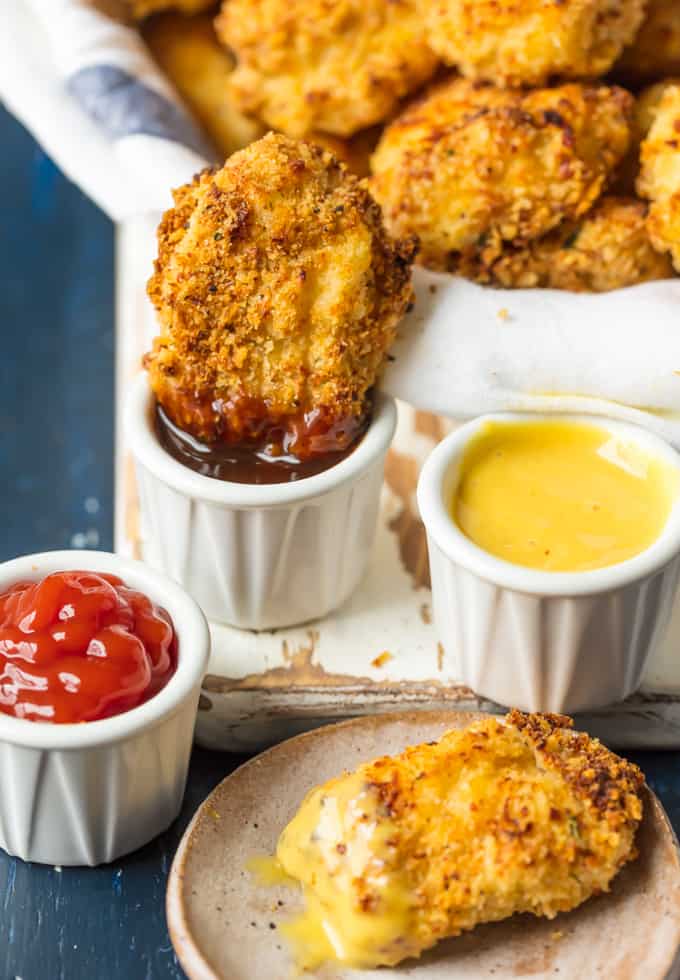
{"type": "Point", "coordinates": [56, 451]}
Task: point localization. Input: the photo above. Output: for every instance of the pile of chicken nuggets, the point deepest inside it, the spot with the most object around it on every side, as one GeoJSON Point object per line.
{"type": "Point", "coordinates": [526, 143]}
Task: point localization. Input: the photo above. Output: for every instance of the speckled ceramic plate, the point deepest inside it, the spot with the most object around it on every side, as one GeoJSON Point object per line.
{"type": "Point", "coordinates": [224, 925]}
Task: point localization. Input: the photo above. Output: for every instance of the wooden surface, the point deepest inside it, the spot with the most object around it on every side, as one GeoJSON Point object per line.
{"type": "Point", "coordinates": [56, 412]}
{"type": "Point", "coordinates": [380, 649]}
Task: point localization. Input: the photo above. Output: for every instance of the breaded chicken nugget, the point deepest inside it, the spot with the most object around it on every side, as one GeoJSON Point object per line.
{"type": "Point", "coordinates": [355, 152]}
{"type": "Point", "coordinates": [659, 179]}
{"type": "Point", "coordinates": [332, 65]}
{"type": "Point", "coordinates": [527, 42]}
{"type": "Point", "coordinates": [472, 166]}
{"type": "Point", "coordinates": [520, 815]}
{"type": "Point", "coordinates": [656, 49]}
{"type": "Point", "coordinates": [609, 248]}
{"type": "Point", "coordinates": [187, 50]}
{"type": "Point", "coordinates": [278, 292]}
{"type": "Point", "coordinates": [646, 106]}
{"type": "Point", "coordinates": [144, 8]}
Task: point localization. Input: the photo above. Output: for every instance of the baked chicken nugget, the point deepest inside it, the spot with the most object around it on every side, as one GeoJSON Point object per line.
{"type": "Point", "coordinates": [609, 248]}
{"type": "Point", "coordinates": [187, 50]}
{"type": "Point", "coordinates": [659, 179]}
{"type": "Point", "coordinates": [520, 815]}
{"type": "Point", "coordinates": [527, 42]}
{"type": "Point", "coordinates": [278, 292]}
{"type": "Point", "coordinates": [647, 103]}
{"type": "Point", "coordinates": [656, 49]}
{"type": "Point", "coordinates": [144, 8]}
{"type": "Point", "coordinates": [332, 65]}
{"type": "Point", "coordinates": [471, 166]}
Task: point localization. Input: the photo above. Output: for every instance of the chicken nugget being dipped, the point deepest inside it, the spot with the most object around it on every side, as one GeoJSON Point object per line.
{"type": "Point", "coordinates": [505, 816]}
{"type": "Point", "coordinates": [655, 51]}
{"type": "Point", "coordinates": [332, 65]}
{"type": "Point", "coordinates": [471, 167]}
{"type": "Point", "coordinates": [659, 179]}
{"type": "Point", "coordinates": [528, 42]}
{"type": "Point", "coordinates": [609, 248]}
{"type": "Point", "coordinates": [278, 292]}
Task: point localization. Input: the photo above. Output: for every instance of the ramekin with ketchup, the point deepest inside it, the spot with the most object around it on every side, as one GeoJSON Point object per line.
{"type": "Point", "coordinates": [101, 662]}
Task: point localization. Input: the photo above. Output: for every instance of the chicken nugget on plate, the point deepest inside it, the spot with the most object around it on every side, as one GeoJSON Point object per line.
{"type": "Point", "coordinates": [656, 49]}
{"type": "Point", "coordinates": [472, 167]}
{"type": "Point", "coordinates": [609, 248]}
{"type": "Point", "coordinates": [528, 42]}
{"type": "Point", "coordinates": [510, 815]}
{"type": "Point", "coordinates": [187, 50]}
{"type": "Point", "coordinates": [659, 179]}
{"type": "Point", "coordinates": [278, 292]}
{"type": "Point", "coordinates": [332, 65]}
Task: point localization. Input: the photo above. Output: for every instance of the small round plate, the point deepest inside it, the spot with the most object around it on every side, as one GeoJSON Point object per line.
{"type": "Point", "coordinates": [223, 924]}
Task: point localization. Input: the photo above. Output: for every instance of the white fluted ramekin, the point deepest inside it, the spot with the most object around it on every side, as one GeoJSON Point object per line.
{"type": "Point", "coordinates": [545, 641]}
{"type": "Point", "coordinates": [259, 556]}
{"type": "Point", "coordinates": [87, 793]}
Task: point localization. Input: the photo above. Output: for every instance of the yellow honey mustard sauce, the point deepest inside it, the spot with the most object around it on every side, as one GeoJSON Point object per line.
{"type": "Point", "coordinates": [312, 852]}
{"type": "Point", "coordinates": [561, 496]}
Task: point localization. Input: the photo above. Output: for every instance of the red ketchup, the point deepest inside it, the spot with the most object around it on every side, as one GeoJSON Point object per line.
{"type": "Point", "coordinates": [79, 646]}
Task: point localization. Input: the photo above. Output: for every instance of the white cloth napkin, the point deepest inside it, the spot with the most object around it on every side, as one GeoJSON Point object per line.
{"type": "Point", "coordinates": [466, 349]}
{"type": "Point", "coordinates": [87, 89]}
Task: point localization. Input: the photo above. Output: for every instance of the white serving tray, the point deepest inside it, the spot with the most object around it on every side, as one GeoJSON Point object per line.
{"type": "Point", "coordinates": [380, 650]}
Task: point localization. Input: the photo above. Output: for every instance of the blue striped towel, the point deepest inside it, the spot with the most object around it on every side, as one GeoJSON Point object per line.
{"type": "Point", "coordinates": [88, 90]}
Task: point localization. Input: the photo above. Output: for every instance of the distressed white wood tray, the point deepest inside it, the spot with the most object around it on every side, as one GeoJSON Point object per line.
{"type": "Point", "coordinates": [378, 652]}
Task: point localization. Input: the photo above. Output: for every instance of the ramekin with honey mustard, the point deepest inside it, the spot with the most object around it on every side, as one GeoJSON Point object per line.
{"type": "Point", "coordinates": [554, 546]}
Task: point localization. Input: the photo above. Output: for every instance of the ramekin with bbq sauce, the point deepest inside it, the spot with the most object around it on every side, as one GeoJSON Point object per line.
{"type": "Point", "coordinates": [101, 663]}
{"type": "Point", "coordinates": [258, 442]}
{"type": "Point", "coordinates": [259, 541]}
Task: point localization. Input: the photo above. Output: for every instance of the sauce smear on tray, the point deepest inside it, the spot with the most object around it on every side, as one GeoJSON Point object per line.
{"type": "Point", "coordinates": [79, 646]}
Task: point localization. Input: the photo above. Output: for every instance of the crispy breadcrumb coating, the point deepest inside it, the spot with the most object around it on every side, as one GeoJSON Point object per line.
{"type": "Point", "coordinates": [609, 248]}
{"type": "Point", "coordinates": [520, 815]}
{"type": "Point", "coordinates": [144, 8]}
{"type": "Point", "coordinates": [659, 179]}
{"type": "Point", "coordinates": [471, 166]}
{"type": "Point", "coordinates": [528, 42]}
{"type": "Point", "coordinates": [187, 50]}
{"type": "Point", "coordinates": [355, 152]}
{"type": "Point", "coordinates": [278, 292]}
{"type": "Point", "coordinates": [647, 103]}
{"type": "Point", "coordinates": [656, 49]}
{"type": "Point", "coordinates": [332, 65]}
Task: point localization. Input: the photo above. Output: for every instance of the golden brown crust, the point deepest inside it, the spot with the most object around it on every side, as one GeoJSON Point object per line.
{"type": "Point", "coordinates": [656, 49]}
{"type": "Point", "coordinates": [278, 293]}
{"type": "Point", "coordinates": [659, 179]}
{"type": "Point", "coordinates": [608, 785]}
{"type": "Point", "coordinates": [471, 166]}
{"type": "Point", "coordinates": [187, 50]}
{"type": "Point", "coordinates": [647, 103]}
{"type": "Point", "coordinates": [355, 151]}
{"type": "Point", "coordinates": [609, 248]}
{"type": "Point", "coordinates": [504, 816]}
{"type": "Point", "coordinates": [332, 65]}
{"type": "Point", "coordinates": [144, 8]}
{"type": "Point", "coordinates": [528, 42]}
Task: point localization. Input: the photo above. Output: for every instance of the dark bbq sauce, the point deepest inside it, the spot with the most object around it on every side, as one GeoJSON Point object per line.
{"type": "Point", "coordinates": [244, 464]}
